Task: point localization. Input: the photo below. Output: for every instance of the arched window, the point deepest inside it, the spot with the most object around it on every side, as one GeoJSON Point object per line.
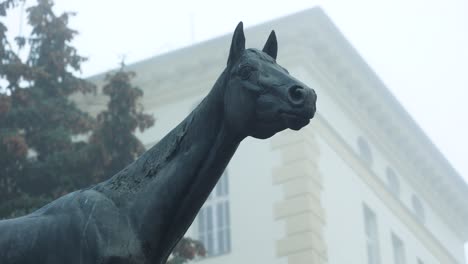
{"type": "Point", "coordinates": [418, 209]}
{"type": "Point", "coordinates": [364, 150]}
{"type": "Point", "coordinates": [393, 183]}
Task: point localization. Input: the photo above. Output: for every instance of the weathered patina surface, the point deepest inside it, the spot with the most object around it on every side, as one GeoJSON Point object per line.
{"type": "Point", "coordinates": [140, 214]}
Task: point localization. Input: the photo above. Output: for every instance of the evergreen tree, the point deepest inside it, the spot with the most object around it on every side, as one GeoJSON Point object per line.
{"type": "Point", "coordinates": [39, 121]}
{"type": "Point", "coordinates": [13, 146]}
{"type": "Point", "coordinates": [113, 142]}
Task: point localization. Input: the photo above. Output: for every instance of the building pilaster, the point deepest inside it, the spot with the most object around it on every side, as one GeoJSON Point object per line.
{"type": "Point", "coordinates": [301, 209]}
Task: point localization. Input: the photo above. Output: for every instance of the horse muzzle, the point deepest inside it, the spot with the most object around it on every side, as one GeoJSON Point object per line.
{"type": "Point", "coordinates": [303, 99]}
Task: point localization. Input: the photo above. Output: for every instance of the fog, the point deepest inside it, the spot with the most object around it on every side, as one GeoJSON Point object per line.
{"type": "Point", "coordinates": [418, 48]}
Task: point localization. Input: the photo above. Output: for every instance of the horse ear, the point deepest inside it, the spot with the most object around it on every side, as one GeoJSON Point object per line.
{"type": "Point", "coordinates": [271, 46]}
{"type": "Point", "coordinates": [237, 44]}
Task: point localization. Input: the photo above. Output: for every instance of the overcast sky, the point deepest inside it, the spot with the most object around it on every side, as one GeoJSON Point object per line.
{"type": "Point", "coordinates": [419, 48]}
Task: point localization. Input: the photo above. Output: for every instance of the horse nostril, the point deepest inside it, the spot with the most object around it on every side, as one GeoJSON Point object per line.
{"type": "Point", "coordinates": [297, 94]}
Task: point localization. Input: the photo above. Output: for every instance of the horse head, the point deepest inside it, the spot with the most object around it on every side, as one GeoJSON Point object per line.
{"type": "Point", "coordinates": [261, 98]}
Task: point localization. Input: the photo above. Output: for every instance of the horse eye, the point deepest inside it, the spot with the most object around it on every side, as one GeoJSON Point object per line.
{"type": "Point", "coordinates": [245, 72]}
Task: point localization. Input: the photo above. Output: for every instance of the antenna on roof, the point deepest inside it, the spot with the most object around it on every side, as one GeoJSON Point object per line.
{"type": "Point", "coordinates": [122, 58]}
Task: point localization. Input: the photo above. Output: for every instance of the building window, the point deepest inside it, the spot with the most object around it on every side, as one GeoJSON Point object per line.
{"type": "Point", "coordinates": [393, 183]}
{"type": "Point", "coordinates": [399, 255]}
{"type": "Point", "coordinates": [364, 150]}
{"type": "Point", "coordinates": [372, 236]}
{"type": "Point", "coordinates": [418, 209]}
{"type": "Point", "coordinates": [213, 220]}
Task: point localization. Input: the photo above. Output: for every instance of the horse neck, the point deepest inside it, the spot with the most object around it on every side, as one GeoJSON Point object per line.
{"type": "Point", "coordinates": [204, 124]}
{"type": "Point", "coordinates": [171, 181]}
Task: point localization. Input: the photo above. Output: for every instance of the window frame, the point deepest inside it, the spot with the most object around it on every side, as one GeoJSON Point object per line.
{"type": "Point", "coordinates": [371, 231]}
{"type": "Point", "coordinates": [365, 151]}
{"type": "Point", "coordinates": [418, 208]}
{"type": "Point", "coordinates": [213, 223]}
{"type": "Point", "coordinates": [393, 182]}
{"type": "Point", "coordinates": [399, 251]}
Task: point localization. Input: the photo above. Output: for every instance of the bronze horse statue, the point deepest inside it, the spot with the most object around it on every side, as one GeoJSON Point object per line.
{"type": "Point", "coordinates": [139, 214]}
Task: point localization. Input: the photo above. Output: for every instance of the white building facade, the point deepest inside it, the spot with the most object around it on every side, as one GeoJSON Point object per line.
{"type": "Point", "coordinates": [360, 184]}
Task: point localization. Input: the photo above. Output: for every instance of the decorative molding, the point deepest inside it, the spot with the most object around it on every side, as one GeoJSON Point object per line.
{"type": "Point", "coordinates": [301, 208]}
